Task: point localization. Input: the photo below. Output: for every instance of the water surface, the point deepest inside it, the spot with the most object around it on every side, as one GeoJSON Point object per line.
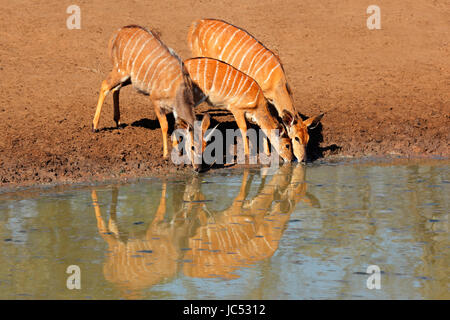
{"type": "Point", "coordinates": [298, 232]}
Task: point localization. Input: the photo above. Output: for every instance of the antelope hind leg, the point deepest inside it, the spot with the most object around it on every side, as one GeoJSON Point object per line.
{"type": "Point", "coordinates": [112, 81]}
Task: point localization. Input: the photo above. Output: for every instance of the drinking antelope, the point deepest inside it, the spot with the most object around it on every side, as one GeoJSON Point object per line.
{"type": "Point", "coordinates": [140, 58]}
{"type": "Point", "coordinates": [227, 87]}
{"type": "Point", "coordinates": [235, 46]}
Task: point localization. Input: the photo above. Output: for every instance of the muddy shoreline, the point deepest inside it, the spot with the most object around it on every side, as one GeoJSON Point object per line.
{"type": "Point", "coordinates": [27, 189]}
{"type": "Point", "coordinates": [385, 93]}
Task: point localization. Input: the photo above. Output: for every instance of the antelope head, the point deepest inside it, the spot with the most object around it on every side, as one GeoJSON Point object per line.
{"type": "Point", "coordinates": [297, 130]}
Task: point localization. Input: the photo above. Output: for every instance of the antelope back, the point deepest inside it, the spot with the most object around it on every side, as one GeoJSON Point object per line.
{"type": "Point", "coordinates": [224, 84]}
{"type": "Point", "coordinates": [223, 41]}
{"type": "Point", "coordinates": [153, 68]}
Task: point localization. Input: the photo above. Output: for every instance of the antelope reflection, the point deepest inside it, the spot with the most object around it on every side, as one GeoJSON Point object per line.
{"type": "Point", "coordinates": [142, 262]}
{"type": "Point", "coordinates": [249, 230]}
{"type": "Point", "coordinates": [201, 242]}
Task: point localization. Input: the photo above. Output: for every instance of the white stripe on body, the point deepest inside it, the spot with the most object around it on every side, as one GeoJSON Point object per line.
{"type": "Point", "coordinates": [128, 43]}
{"type": "Point", "coordinates": [251, 62]}
{"type": "Point", "coordinates": [245, 55]}
{"type": "Point", "coordinates": [262, 66]}
{"type": "Point", "coordinates": [270, 73]}
{"type": "Point", "coordinates": [138, 55]}
{"type": "Point", "coordinates": [215, 74]}
{"type": "Point", "coordinates": [236, 54]}
{"type": "Point", "coordinates": [151, 65]}
{"type": "Point", "coordinates": [217, 38]}
{"type": "Point", "coordinates": [225, 80]}
{"type": "Point", "coordinates": [155, 71]}
{"type": "Point", "coordinates": [226, 45]}
{"type": "Point", "coordinates": [145, 60]}
{"type": "Point", "coordinates": [133, 49]}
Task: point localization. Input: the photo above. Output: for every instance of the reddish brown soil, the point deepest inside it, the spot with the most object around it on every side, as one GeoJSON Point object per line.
{"type": "Point", "coordinates": [384, 91]}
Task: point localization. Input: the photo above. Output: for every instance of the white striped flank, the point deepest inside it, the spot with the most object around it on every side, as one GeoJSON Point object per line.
{"type": "Point", "coordinates": [215, 75]}
{"type": "Point", "coordinates": [236, 54]}
{"type": "Point", "coordinates": [139, 54]}
{"type": "Point", "coordinates": [225, 80]}
{"type": "Point", "coordinates": [204, 75]}
{"type": "Point", "coordinates": [262, 66]}
{"type": "Point", "coordinates": [172, 82]}
{"type": "Point", "coordinates": [133, 49]}
{"type": "Point", "coordinates": [245, 55]}
{"type": "Point", "coordinates": [198, 70]}
{"type": "Point", "coordinates": [253, 60]}
{"type": "Point", "coordinates": [155, 71]}
{"type": "Point", "coordinates": [237, 47]}
{"type": "Point", "coordinates": [206, 33]}
{"type": "Point", "coordinates": [271, 71]}
{"type": "Point", "coordinates": [226, 45]}
{"type": "Point", "coordinates": [129, 41]}
{"type": "Point", "coordinates": [143, 63]}
{"type": "Point", "coordinates": [229, 92]}
{"type": "Point", "coordinates": [239, 88]}
{"type": "Point", "coordinates": [160, 73]}
{"type": "Point", "coordinates": [218, 37]}
{"type": "Point", "coordinates": [244, 95]}
{"type": "Point", "coordinates": [258, 61]}
{"type": "Point", "coordinates": [143, 79]}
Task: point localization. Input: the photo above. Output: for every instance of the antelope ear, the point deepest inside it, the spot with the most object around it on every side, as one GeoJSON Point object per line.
{"type": "Point", "coordinates": [181, 124]}
{"type": "Point", "coordinates": [313, 121]}
{"type": "Point", "coordinates": [205, 122]}
{"type": "Point", "coordinates": [288, 118]}
{"type": "Point", "coordinates": [281, 130]}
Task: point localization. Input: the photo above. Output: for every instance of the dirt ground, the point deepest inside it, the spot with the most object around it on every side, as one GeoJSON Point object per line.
{"type": "Point", "coordinates": [384, 92]}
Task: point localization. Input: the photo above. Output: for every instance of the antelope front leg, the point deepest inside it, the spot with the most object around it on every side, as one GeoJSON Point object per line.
{"type": "Point", "coordinates": [116, 93]}
{"type": "Point", "coordinates": [266, 146]}
{"type": "Point", "coordinates": [164, 128]}
{"type": "Point", "coordinates": [104, 90]}
{"type": "Point", "coordinates": [242, 124]}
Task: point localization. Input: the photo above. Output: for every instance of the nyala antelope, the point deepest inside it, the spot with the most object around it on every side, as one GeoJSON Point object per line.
{"type": "Point", "coordinates": [227, 87]}
{"type": "Point", "coordinates": [223, 41]}
{"type": "Point", "coordinates": [140, 58]}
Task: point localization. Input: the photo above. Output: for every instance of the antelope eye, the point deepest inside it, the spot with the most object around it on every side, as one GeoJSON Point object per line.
{"type": "Point", "coordinates": [287, 146]}
{"type": "Point", "coordinates": [193, 148]}
{"type": "Point", "coordinates": [297, 139]}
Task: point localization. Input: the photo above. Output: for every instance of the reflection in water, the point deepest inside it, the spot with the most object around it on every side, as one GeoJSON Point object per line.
{"type": "Point", "coordinates": [249, 230]}
{"type": "Point", "coordinates": [298, 232]}
{"type": "Point", "coordinates": [218, 242]}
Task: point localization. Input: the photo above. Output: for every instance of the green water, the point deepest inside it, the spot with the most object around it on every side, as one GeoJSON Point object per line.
{"type": "Point", "coordinates": [299, 232]}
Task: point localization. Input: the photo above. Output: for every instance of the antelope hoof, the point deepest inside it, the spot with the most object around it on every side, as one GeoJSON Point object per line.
{"type": "Point", "coordinates": [94, 130]}
{"type": "Point", "coordinates": [118, 124]}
